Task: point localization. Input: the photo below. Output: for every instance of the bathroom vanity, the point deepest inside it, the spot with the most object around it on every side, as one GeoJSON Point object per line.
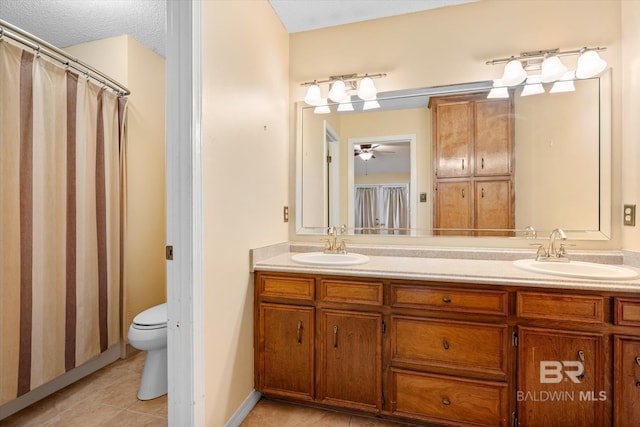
{"type": "Point", "coordinates": [449, 342]}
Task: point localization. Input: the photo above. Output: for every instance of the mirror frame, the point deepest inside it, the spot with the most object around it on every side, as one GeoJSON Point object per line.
{"type": "Point", "coordinates": [604, 172]}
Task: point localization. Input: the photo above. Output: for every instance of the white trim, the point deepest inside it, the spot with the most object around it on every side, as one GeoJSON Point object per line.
{"type": "Point", "coordinates": [184, 215]}
{"type": "Point", "coordinates": [238, 417]}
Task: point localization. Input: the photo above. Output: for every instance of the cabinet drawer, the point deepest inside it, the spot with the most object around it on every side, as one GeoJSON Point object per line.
{"type": "Point", "coordinates": [287, 287]}
{"type": "Point", "coordinates": [459, 300]}
{"type": "Point", "coordinates": [465, 346]}
{"type": "Point", "coordinates": [446, 399]}
{"type": "Point", "coordinates": [627, 312]}
{"type": "Point", "coordinates": [351, 292]}
{"type": "Point", "coordinates": [577, 308]}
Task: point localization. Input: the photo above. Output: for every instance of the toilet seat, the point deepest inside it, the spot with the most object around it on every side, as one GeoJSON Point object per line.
{"type": "Point", "coordinates": [152, 318]}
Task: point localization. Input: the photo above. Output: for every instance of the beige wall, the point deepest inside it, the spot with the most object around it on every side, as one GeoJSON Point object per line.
{"type": "Point", "coordinates": [630, 122]}
{"type": "Point", "coordinates": [245, 163]}
{"type": "Point", "coordinates": [143, 72]}
{"type": "Point", "coordinates": [451, 45]}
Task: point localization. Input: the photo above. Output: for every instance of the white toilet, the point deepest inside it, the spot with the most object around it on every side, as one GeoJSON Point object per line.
{"type": "Point", "coordinates": [149, 332]}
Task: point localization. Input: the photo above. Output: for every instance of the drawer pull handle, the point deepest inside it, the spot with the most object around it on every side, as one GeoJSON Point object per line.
{"type": "Point", "coordinates": [638, 384]}
{"type": "Point", "coordinates": [581, 357]}
{"type": "Point", "coordinates": [445, 344]}
{"type": "Point", "coordinates": [446, 300]}
{"type": "Point", "coordinates": [462, 164]}
{"type": "Point", "coordinates": [446, 401]}
{"type": "Point", "coordinates": [299, 331]}
{"type": "Point", "coordinates": [335, 336]}
{"type": "Point", "coordinates": [638, 360]}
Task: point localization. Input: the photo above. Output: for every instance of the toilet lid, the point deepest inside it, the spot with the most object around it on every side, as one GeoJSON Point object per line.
{"type": "Point", "coordinates": [154, 316]}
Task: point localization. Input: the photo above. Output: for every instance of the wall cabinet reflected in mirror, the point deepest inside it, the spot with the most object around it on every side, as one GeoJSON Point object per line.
{"type": "Point", "coordinates": [537, 161]}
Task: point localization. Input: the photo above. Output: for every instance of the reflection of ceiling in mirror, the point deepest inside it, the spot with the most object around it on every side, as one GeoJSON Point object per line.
{"type": "Point", "coordinates": [388, 159]}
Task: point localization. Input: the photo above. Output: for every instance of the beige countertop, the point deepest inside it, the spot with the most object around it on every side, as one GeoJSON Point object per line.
{"type": "Point", "coordinates": [443, 265]}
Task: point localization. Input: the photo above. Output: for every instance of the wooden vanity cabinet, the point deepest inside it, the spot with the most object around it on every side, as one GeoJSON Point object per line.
{"type": "Point", "coordinates": [449, 354]}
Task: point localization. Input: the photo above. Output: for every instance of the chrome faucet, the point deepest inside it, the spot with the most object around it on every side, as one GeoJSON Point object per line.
{"type": "Point", "coordinates": [334, 245]}
{"type": "Point", "coordinates": [552, 253]}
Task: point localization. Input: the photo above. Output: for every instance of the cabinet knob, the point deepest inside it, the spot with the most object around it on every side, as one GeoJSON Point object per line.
{"type": "Point", "coordinates": [638, 360]}
{"type": "Point", "coordinates": [445, 344]}
{"type": "Point", "coordinates": [446, 300]}
{"type": "Point", "coordinates": [638, 384]}
{"type": "Point", "coordinates": [446, 401]}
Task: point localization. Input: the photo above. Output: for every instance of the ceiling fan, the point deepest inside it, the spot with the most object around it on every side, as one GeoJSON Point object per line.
{"type": "Point", "coordinates": [366, 151]}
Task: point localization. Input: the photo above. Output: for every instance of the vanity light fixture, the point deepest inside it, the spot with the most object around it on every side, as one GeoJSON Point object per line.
{"type": "Point", "coordinates": [370, 105]}
{"type": "Point", "coordinates": [590, 64]}
{"type": "Point", "coordinates": [340, 86]}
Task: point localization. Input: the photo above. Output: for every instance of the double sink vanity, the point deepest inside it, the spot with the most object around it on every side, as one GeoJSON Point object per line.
{"type": "Point", "coordinates": [450, 336]}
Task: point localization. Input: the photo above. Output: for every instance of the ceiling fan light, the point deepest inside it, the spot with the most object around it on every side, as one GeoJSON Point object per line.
{"type": "Point", "coordinates": [552, 69]}
{"type": "Point", "coordinates": [365, 155]}
{"type": "Point", "coordinates": [338, 91]}
{"type": "Point", "coordinates": [514, 74]}
{"type": "Point", "coordinates": [313, 96]}
{"type": "Point", "coordinates": [590, 64]}
{"type": "Point", "coordinates": [367, 90]}
{"type": "Point", "coordinates": [345, 105]}
{"type": "Point", "coordinates": [323, 108]}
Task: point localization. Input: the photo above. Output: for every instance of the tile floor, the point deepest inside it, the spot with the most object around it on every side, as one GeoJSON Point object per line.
{"type": "Point", "coordinates": [272, 413]}
{"type": "Point", "coordinates": [107, 398]}
{"type": "Point", "coordinates": [104, 398]}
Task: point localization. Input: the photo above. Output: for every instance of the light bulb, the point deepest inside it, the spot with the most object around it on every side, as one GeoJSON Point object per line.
{"type": "Point", "coordinates": [370, 105]}
{"type": "Point", "coordinates": [533, 86]}
{"type": "Point", "coordinates": [552, 69]}
{"type": "Point", "coordinates": [313, 96]}
{"type": "Point", "coordinates": [367, 89]}
{"type": "Point", "coordinates": [367, 155]}
{"type": "Point", "coordinates": [590, 64]}
{"type": "Point", "coordinates": [323, 108]}
{"type": "Point", "coordinates": [338, 91]}
{"type": "Point", "coordinates": [498, 91]}
{"type": "Point", "coordinates": [514, 74]}
{"type": "Point", "coordinates": [565, 84]}
{"type": "Point", "coordinates": [345, 105]}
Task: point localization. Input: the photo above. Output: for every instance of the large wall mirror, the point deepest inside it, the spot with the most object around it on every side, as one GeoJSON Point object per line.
{"type": "Point", "coordinates": [379, 172]}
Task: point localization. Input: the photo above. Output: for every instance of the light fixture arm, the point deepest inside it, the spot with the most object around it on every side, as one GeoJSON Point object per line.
{"type": "Point", "coordinates": [541, 54]}
{"type": "Point", "coordinates": [345, 78]}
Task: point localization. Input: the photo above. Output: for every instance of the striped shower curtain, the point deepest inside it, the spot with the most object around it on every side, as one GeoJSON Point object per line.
{"type": "Point", "coordinates": [60, 138]}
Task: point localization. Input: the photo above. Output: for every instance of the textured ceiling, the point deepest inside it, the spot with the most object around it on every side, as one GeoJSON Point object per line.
{"type": "Point", "coordinates": [68, 22]}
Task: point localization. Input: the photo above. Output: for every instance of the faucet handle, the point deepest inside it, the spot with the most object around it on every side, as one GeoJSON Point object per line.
{"type": "Point", "coordinates": [343, 228]}
{"type": "Point", "coordinates": [541, 252]}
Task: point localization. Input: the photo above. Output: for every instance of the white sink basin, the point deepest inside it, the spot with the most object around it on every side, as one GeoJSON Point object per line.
{"type": "Point", "coordinates": [320, 258]}
{"type": "Point", "coordinates": [578, 269]}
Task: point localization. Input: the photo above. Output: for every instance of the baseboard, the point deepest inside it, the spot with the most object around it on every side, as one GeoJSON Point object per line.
{"type": "Point", "coordinates": [244, 409]}
{"type": "Point", "coordinates": [98, 362]}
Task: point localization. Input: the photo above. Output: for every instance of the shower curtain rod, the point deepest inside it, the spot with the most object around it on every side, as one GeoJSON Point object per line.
{"type": "Point", "coordinates": [41, 46]}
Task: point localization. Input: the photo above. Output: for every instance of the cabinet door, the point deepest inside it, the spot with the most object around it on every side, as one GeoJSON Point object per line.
{"type": "Point", "coordinates": [453, 139]}
{"type": "Point", "coordinates": [453, 207]}
{"type": "Point", "coordinates": [626, 382]}
{"type": "Point", "coordinates": [493, 207]}
{"type": "Point", "coordinates": [561, 378]}
{"type": "Point", "coordinates": [493, 137]}
{"type": "Point", "coordinates": [351, 351]}
{"type": "Point", "coordinates": [286, 345]}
